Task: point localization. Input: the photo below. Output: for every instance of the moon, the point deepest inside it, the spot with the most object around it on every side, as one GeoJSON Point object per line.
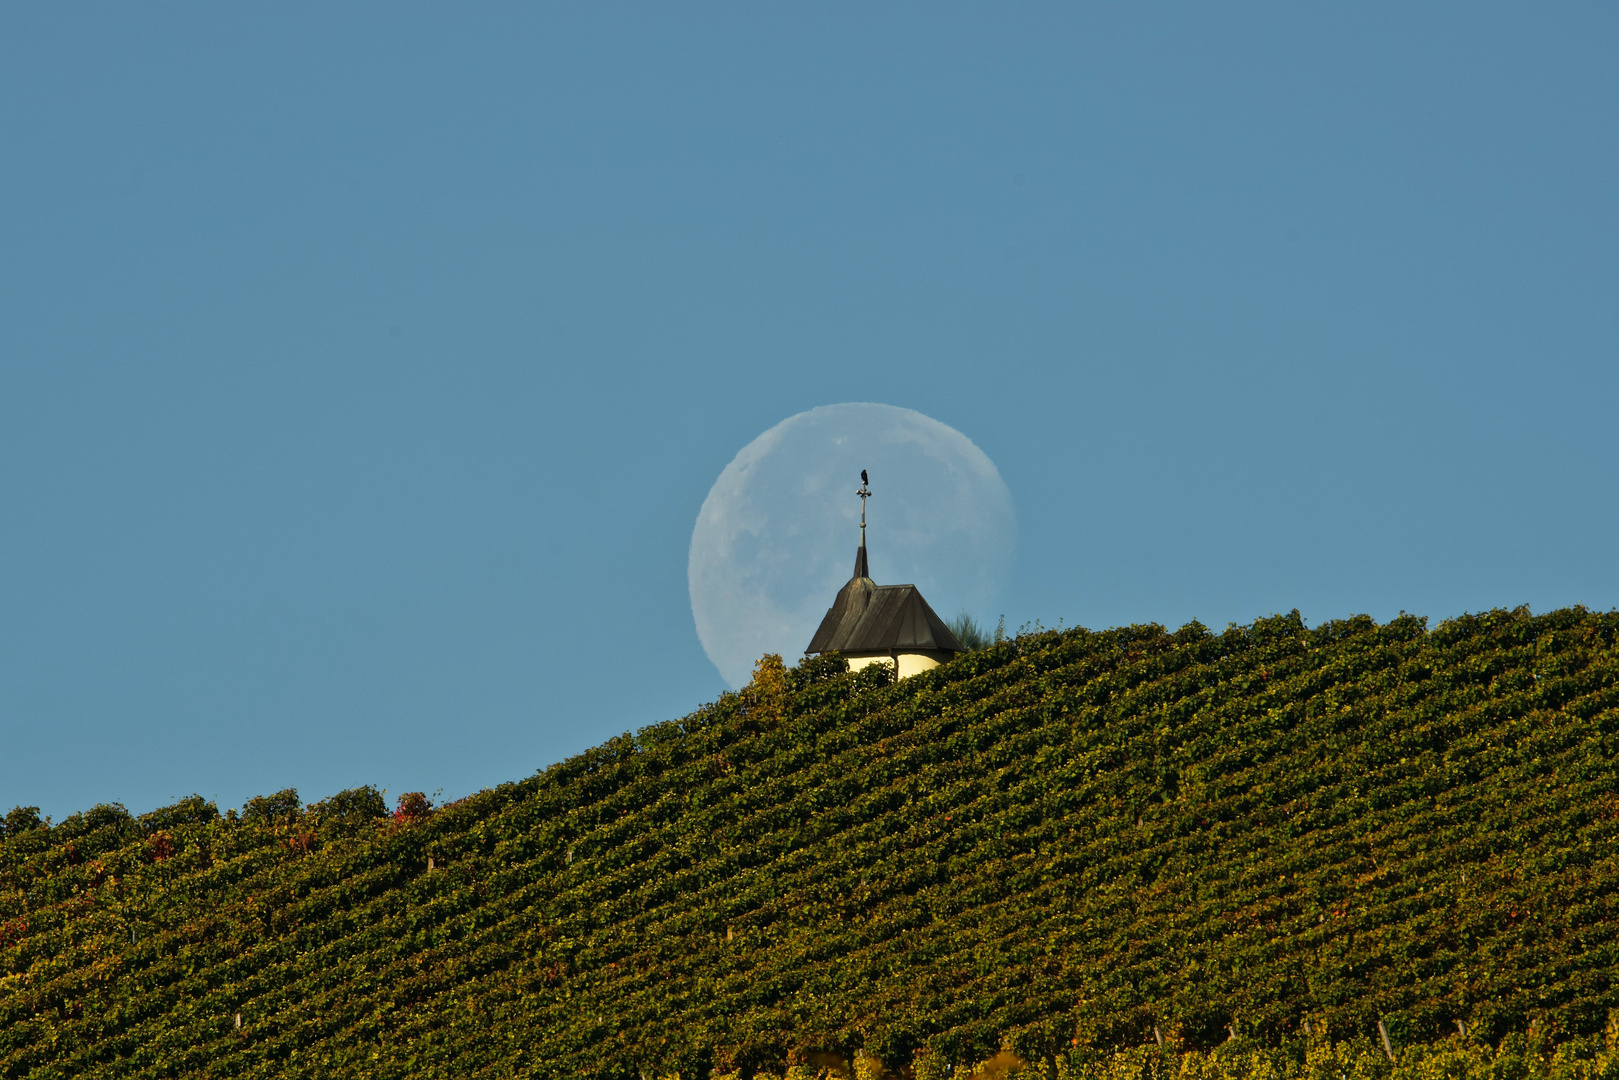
{"type": "Point", "coordinates": [776, 537]}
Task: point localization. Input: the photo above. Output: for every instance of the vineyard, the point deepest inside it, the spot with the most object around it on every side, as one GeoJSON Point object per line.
{"type": "Point", "coordinates": [1129, 854]}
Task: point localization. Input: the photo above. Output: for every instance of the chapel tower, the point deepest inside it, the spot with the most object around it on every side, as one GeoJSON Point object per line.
{"type": "Point", "coordinates": [870, 623]}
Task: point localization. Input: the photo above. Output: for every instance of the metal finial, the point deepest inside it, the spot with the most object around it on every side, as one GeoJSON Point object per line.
{"type": "Point", "coordinates": [860, 568]}
{"type": "Point", "coordinates": [864, 493]}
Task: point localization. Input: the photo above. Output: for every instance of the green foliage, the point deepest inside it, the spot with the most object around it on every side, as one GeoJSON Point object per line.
{"type": "Point", "coordinates": [282, 808]}
{"type": "Point", "coordinates": [102, 818]}
{"type": "Point", "coordinates": [20, 820]}
{"type": "Point", "coordinates": [1059, 849]}
{"type": "Point", "coordinates": [349, 812]}
{"type": "Point", "coordinates": [192, 810]}
{"type": "Point", "coordinates": [1517, 1058]}
{"type": "Point", "coordinates": [968, 632]}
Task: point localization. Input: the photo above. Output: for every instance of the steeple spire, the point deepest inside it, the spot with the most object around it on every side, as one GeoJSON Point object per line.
{"type": "Point", "coordinates": [868, 622]}
{"type": "Point", "coordinates": [860, 568]}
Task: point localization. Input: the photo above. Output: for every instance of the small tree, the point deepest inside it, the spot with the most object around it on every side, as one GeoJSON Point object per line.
{"type": "Point", "coordinates": [413, 806]}
{"type": "Point", "coordinates": [968, 632]}
{"type": "Point", "coordinates": [767, 693]}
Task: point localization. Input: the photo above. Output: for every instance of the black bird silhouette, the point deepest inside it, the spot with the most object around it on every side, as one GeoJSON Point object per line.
{"type": "Point", "coordinates": [863, 479]}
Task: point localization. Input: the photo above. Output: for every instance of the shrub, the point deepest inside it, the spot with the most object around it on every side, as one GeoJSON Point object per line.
{"type": "Point", "coordinates": [21, 819]}
{"type": "Point", "coordinates": [192, 810]}
{"type": "Point", "coordinates": [413, 806]}
{"type": "Point", "coordinates": [349, 811]}
{"type": "Point", "coordinates": [282, 808]}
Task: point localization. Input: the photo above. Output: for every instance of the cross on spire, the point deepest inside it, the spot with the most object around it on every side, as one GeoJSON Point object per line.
{"type": "Point", "coordinates": [864, 493]}
{"type": "Point", "coordinates": [860, 569]}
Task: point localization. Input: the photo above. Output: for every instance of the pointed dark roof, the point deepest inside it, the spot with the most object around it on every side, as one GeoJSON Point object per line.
{"type": "Point", "coordinates": [868, 617]}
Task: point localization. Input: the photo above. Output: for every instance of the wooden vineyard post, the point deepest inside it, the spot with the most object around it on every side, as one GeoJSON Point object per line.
{"type": "Point", "coordinates": [1387, 1048]}
{"type": "Point", "coordinates": [1461, 1028]}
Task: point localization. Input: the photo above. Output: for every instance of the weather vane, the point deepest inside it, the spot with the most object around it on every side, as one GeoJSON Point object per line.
{"type": "Point", "coordinates": [864, 493]}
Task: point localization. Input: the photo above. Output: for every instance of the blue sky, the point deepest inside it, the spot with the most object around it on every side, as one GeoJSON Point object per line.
{"type": "Point", "coordinates": [362, 369]}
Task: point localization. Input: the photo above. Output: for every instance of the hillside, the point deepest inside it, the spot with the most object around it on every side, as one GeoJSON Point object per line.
{"type": "Point", "coordinates": [1056, 845]}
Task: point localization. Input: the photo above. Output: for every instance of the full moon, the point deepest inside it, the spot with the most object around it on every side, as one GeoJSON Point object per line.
{"type": "Point", "coordinates": [776, 537]}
